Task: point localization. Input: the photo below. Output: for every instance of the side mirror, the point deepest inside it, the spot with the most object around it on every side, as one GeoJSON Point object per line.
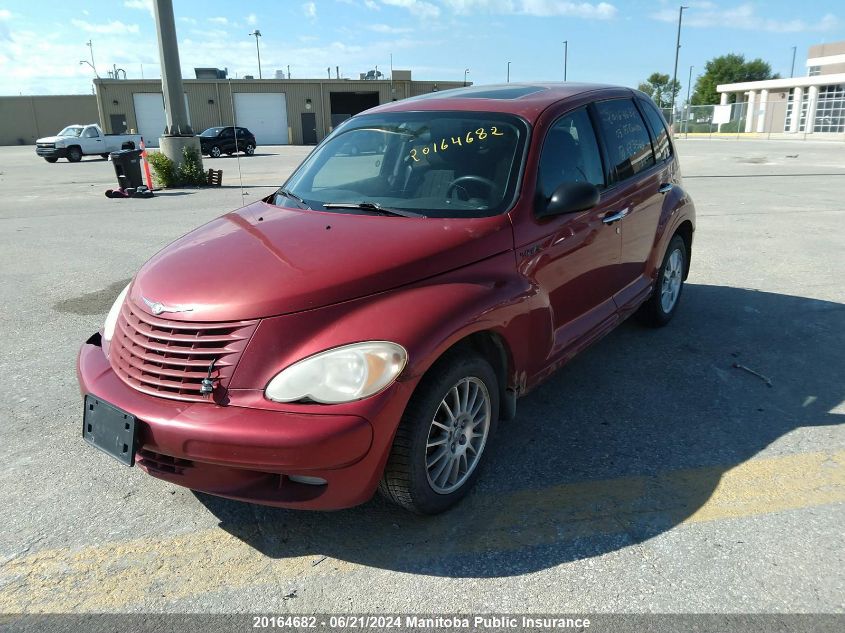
{"type": "Point", "coordinates": [570, 197]}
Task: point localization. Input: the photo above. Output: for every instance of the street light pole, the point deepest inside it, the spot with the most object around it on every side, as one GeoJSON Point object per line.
{"type": "Point", "coordinates": [94, 66]}
{"type": "Point", "coordinates": [509, 72]}
{"type": "Point", "coordinates": [792, 72]}
{"type": "Point", "coordinates": [466, 71]}
{"type": "Point", "coordinates": [565, 57]}
{"type": "Point", "coordinates": [257, 34]}
{"type": "Point", "coordinates": [675, 74]}
{"type": "Point", "coordinates": [689, 85]}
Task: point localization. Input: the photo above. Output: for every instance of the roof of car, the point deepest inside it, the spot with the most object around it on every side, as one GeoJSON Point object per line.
{"type": "Point", "coordinates": [525, 99]}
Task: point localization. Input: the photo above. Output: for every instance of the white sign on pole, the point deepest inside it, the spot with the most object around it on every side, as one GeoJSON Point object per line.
{"type": "Point", "coordinates": [721, 114]}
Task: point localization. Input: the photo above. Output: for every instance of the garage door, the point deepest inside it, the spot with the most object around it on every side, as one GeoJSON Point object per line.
{"type": "Point", "coordinates": [149, 115]}
{"type": "Point", "coordinates": [265, 114]}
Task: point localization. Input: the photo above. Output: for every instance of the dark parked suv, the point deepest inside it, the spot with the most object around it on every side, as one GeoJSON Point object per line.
{"type": "Point", "coordinates": [227, 140]}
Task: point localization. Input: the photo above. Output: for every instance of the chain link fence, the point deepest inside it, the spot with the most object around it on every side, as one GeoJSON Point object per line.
{"type": "Point", "coordinates": [769, 119]}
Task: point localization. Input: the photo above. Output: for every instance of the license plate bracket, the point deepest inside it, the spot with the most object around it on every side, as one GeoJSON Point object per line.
{"type": "Point", "coordinates": [110, 429]}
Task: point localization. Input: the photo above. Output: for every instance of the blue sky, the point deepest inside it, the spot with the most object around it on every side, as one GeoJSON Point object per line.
{"type": "Point", "coordinates": [614, 41]}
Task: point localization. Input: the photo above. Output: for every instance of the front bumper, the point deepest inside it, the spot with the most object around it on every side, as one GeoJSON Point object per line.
{"type": "Point", "coordinates": [51, 152]}
{"type": "Point", "coordinates": [245, 453]}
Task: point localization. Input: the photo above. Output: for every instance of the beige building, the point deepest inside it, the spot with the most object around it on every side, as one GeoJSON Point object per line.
{"type": "Point", "coordinates": [24, 119]}
{"type": "Point", "coordinates": [277, 111]}
{"type": "Point", "coordinates": [810, 104]}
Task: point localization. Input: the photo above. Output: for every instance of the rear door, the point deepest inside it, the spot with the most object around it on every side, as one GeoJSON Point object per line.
{"type": "Point", "coordinates": [635, 179]}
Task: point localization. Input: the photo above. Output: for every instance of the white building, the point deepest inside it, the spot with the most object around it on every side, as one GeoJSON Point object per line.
{"type": "Point", "coordinates": [818, 97]}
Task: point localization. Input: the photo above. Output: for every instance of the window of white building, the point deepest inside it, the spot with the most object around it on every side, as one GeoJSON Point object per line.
{"type": "Point", "coordinates": [830, 111]}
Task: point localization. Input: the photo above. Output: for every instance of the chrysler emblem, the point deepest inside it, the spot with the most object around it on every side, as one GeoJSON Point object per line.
{"type": "Point", "coordinates": [157, 307]}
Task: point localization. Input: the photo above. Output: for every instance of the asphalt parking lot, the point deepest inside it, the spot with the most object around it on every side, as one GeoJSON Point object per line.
{"type": "Point", "coordinates": [649, 475]}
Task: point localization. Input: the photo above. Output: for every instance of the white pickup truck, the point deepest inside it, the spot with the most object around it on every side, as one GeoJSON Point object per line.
{"type": "Point", "coordinates": [76, 141]}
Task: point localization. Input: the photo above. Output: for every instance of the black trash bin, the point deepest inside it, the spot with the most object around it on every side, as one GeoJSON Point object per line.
{"type": "Point", "coordinates": [127, 167]}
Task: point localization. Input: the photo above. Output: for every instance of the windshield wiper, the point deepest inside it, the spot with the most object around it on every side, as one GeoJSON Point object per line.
{"type": "Point", "coordinates": [289, 194]}
{"type": "Point", "coordinates": [374, 207]}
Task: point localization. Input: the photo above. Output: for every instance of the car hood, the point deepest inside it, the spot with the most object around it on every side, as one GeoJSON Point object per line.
{"type": "Point", "coordinates": [50, 139]}
{"type": "Point", "coordinates": [263, 260]}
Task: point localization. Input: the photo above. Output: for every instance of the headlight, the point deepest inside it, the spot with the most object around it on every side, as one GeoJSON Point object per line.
{"type": "Point", "coordinates": [343, 374]}
{"type": "Point", "coordinates": [111, 319]}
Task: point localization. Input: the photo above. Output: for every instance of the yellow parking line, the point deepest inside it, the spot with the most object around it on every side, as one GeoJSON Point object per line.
{"type": "Point", "coordinates": [113, 576]}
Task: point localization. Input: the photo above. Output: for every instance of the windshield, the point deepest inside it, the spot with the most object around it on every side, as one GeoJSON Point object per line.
{"type": "Point", "coordinates": [71, 130]}
{"type": "Point", "coordinates": [443, 164]}
{"type": "Point", "coordinates": [212, 131]}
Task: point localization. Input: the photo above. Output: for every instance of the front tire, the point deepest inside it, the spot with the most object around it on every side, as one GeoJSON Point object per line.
{"type": "Point", "coordinates": [659, 309]}
{"type": "Point", "coordinates": [74, 154]}
{"type": "Point", "coordinates": [439, 445]}
{"type": "Point", "coordinates": [51, 159]}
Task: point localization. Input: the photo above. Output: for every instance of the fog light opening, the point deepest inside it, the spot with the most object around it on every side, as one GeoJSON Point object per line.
{"type": "Point", "coordinates": [311, 481]}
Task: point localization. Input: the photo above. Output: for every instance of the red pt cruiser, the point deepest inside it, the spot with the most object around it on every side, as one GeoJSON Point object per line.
{"type": "Point", "coordinates": [369, 324]}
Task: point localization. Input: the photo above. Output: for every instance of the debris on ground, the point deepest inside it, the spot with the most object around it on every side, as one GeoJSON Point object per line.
{"type": "Point", "coordinates": [765, 379]}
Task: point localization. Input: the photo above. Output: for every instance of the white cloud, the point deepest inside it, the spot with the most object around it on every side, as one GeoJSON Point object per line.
{"type": "Point", "coordinates": [113, 27]}
{"type": "Point", "coordinates": [542, 8]}
{"type": "Point", "coordinates": [144, 5]}
{"type": "Point", "coordinates": [5, 14]}
{"type": "Point", "coordinates": [371, 4]}
{"type": "Point", "coordinates": [310, 10]}
{"type": "Point", "coordinates": [386, 28]}
{"type": "Point", "coordinates": [187, 20]}
{"type": "Point", "coordinates": [744, 16]}
{"type": "Point", "coordinates": [419, 8]}
{"type": "Point", "coordinates": [219, 20]}
{"type": "Point", "coordinates": [251, 19]}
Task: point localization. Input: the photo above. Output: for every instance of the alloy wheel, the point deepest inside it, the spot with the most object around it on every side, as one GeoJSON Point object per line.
{"type": "Point", "coordinates": [673, 274]}
{"type": "Point", "coordinates": [457, 435]}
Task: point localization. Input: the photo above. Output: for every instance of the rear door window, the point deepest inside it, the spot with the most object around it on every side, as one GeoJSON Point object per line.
{"type": "Point", "coordinates": [662, 146]}
{"type": "Point", "coordinates": [625, 137]}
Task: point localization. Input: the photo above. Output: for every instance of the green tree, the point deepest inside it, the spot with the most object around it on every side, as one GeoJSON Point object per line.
{"type": "Point", "coordinates": [660, 88]}
{"type": "Point", "coordinates": [728, 69]}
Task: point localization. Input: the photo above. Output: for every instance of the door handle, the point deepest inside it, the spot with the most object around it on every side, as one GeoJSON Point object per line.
{"type": "Point", "coordinates": [665, 187]}
{"type": "Point", "coordinates": [610, 218]}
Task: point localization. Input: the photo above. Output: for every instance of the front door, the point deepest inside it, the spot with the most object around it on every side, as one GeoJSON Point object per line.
{"type": "Point", "coordinates": [576, 260]}
{"type": "Point", "coordinates": [118, 123]}
{"type": "Point", "coordinates": [309, 128]}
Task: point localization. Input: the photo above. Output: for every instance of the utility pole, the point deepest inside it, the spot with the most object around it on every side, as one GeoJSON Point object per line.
{"type": "Point", "coordinates": [257, 34]}
{"type": "Point", "coordinates": [178, 133]}
{"type": "Point", "coordinates": [509, 72]}
{"type": "Point", "coordinates": [466, 72]}
{"type": "Point", "coordinates": [288, 72]}
{"type": "Point", "coordinates": [565, 57]}
{"type": "Point", "coordinates": [792, 72]}
{"type": "Point", "coordinates": [675, 74]}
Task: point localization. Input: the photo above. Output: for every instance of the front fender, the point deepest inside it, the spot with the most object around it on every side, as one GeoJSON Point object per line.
{"type": "Point", "coordinates": [427, 318]}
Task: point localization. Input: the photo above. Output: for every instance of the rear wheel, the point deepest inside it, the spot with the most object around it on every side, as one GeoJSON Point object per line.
{"type": "Point", "coordinates": [51, 159]}
{"type": "Point", "coordinates": [249, 149]}
{"type": "Point", "coordinates": [661, 306]}
{"type": "Point", "coordinates": [74, 154]}
{"type": "Point", "coordinates": [214, 152]}
{"type": "Point", "coordinates": [440, 442]}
